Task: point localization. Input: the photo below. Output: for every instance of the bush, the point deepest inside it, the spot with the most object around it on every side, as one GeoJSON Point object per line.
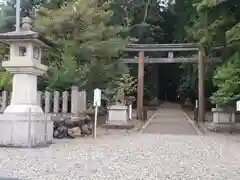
{"type": "Point", "coordinates": [227, 80]}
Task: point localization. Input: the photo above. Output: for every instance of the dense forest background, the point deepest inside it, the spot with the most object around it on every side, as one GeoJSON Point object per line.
{"type": "Point", "coordinates": [90, 36]}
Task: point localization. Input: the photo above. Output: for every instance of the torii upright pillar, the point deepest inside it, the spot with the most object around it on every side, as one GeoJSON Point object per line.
{"type": "Point", "coordinates": [140, 87]}
{"type": "Point", "coordinates": [201, 94]}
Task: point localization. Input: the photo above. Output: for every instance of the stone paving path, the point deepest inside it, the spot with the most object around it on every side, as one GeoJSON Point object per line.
{"type": "Point", "coordinates": [170, 119]}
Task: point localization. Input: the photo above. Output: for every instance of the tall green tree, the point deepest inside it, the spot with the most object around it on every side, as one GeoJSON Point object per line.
{"type": "Point", "coordinates": [83, 34]}
{"type": "Point", "coordinates": [208, 22]}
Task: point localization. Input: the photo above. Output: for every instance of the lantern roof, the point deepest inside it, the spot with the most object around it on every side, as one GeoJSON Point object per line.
{"type": "Point", "coordinates": [25, 34]}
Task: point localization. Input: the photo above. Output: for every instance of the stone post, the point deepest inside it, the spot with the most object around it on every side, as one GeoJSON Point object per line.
{"type": "Point", "coordinates": [4, 100]}
{"type": "Point", "coordinates": [82, 101]}
{"type": "Point", "coordinates": [56, 101]}
{"type": "Point", "coordinates": [75, 100]}
{"type": "Point", "coordinates": [39, 98]}
{"type": "Point", "coordinates": [47, 101]}
{"type": "Point", "coordinates": [65, 102]}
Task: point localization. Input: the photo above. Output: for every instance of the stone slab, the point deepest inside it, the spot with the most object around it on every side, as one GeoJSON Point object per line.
{"type": "Point", "coordinates": [111, 126]}
{"type": "Point", "coordinates": [221, 116]}
{"type": "Point", "coordinates": [223, 127]}
{"type": "Point", "coordinates": [15, 129]}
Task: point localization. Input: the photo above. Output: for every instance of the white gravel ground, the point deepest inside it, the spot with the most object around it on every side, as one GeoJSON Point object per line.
{"type": "Point", "coordinates": [132, 157]}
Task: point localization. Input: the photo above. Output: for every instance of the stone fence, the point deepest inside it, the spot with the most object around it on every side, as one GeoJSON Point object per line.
{"type": "Point", "coordinates": [54, 102]}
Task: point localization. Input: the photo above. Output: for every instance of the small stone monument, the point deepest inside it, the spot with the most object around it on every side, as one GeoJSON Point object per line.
{"type": "Point", "coordinates": [154, 102]}
{"type": "Point", "coordinates": [224, 120]}
{"type": "Point", "coordinates": [188, 102]}
{"type": "Point", "coordinates": [117, 114]}
{"type": "Point", "coordinates": [23, 122]}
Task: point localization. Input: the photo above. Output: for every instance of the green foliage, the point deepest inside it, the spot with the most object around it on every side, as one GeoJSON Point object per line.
{"type": "Point", "coordinates": [131, 15]}
{"type": "Point", "coordinates": [90, 36]}
{"type": "Point", "coordinates": [207, 22]}
{"type": "Point", "coordinates": [186, 87]}
{"type": "Point", "coordinates": [147, 88]}
{"type": "Point", "coordinates": [5, 81]}
{"type": "Point", "coordinates": [89, 44]}
{"type": "Point", "coordinates": [204, 5]}
{"type": "Point", "coordinates": [4, 51]}
{"type": "Point", "coordinates": [65, 74]}
{"type": "Point", "coordinates": [120, 88]}
{"type": "Point", "coordinates": [185, 17]}
{"type": "Point", "coordinates": [227, 80]}
{"type": "Point", "coordinates": [5, 77]}
{"type": "Point", "coordinates": [126, 84]}
{"type": "Point", "coordinates": [233, 35]}
{"type": "Point", "coordinates": [7, 14]}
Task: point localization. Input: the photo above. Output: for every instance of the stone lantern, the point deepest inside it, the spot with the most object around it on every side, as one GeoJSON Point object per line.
{"type": "Point", "coordinates": [23, 122]}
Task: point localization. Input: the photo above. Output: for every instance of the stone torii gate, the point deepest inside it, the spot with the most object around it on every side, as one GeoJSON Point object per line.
{"type": "Point", "coordinates": [171, 50]}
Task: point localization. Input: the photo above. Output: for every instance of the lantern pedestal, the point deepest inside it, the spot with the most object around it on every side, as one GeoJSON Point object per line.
{"type": "Point", "coordinates": [25, 129]}
{"type": "Point", "coordinates": [23, 123]}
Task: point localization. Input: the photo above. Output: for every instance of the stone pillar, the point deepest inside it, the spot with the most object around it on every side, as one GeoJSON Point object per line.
{"type": "Point", "coordinates": [82, 101]}
{"type": "Point", "coordinates": [4, 100]}
{"type": "Point", "coordinates": [24, 99]}
{"type": "Point", "coordinates": [56, 102]}
{"type": "Point", "coordinates": [65, 102]}
{"type": "Point", "coordinates": [75, 100]}
{"type": "Point", "coordinates": [39, 98]}
{"type": "Point", "coordinates": [47, 101]}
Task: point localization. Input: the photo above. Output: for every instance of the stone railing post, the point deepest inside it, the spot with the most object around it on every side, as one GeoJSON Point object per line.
{"type": "Point", "coordinates": [47, 101]}
{"type": "Point", "coordinates": [4, 100]}
{"type": "Point", "coordinates": [75, 100]}
{"type": "Point", "coordinates": [82, 101]}
{"type": "Point", "coordinates": [39, 98]}
{"type": "Point", "coordinates": [56, 101]}
{"type": "Point", "coordinates": [65, 102]}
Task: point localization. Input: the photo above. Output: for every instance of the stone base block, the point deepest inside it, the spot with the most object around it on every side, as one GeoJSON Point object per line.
{"type": "Point", "coordinates": [25, 130]}
{"type": "Point", "coordinates": [117, 115]}
{"type": "Point", "coordinates": [117, 122]}
{"type": "Point", "coordinates": [223, 127]}
{"type": "Point", "coordinates": [154, 102]}
{"type": "Point", "coordinates": [125, 126]}
{"type": "Point", "coordinates": [221, 116]}
{"type": "Point", "coordinates": [23, 108]}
